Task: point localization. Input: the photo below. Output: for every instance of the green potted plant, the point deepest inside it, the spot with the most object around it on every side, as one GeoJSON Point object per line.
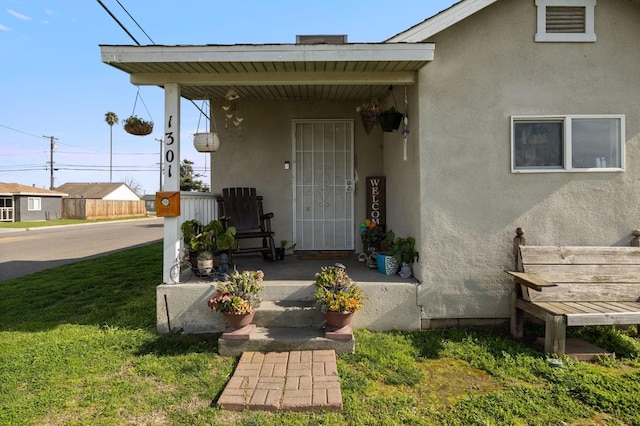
{"type": "Point", "coordinates": [385, 261]}
{"type": "Point", "coordinates": [190, 228]}
{"type": "Point", "coordinates": [280, 251]}
{"type": "Point", "coordinates": [337, 295]}
{"type": "Point", "coordinates": [405, 254]}
{"type": "Point", "coordinates": [237, 297]}
{"type": "Point", "coordinates": [212, 240]}
{"type": "Point", "coordinates": [137, 126]}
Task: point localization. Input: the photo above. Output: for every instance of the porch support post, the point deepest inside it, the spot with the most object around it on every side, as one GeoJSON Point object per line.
{"type": "Point", "coordinates": [172, 233]}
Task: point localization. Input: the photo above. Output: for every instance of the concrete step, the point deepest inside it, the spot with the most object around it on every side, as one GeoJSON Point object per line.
{"type": "Point", "coordinates": [288, 291]}
{"type": "Point", "coordinates": [278, 339]}
{"type": "Point", "coordinates": [282, 313]}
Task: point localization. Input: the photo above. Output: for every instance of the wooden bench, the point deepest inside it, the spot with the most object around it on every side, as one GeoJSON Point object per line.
{"type": "Point", "coordinates": [574, 286]}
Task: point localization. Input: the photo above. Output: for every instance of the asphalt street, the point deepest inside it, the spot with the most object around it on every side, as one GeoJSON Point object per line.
{"type": "Point", "coordinates": [24, 252]}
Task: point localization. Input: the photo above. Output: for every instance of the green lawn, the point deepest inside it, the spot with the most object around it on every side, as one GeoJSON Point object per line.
{"type": "Point", "coordinates": [78, 347]}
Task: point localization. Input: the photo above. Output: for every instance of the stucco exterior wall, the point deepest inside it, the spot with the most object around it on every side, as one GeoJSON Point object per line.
{"type": "Point", "coordinates": [265, 145]}
{"type": "Point", "coordinates": [486, 69]}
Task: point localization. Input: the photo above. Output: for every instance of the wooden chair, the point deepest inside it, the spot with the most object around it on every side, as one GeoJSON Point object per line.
{"type": "Point", "coordinates": [242, 208]}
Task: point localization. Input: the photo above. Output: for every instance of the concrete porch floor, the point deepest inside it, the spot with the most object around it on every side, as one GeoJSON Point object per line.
{"type": "Point", "coordinates": [294, 269]}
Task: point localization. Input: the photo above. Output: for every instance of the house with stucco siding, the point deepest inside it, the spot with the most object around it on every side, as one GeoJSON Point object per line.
{"type": "Point", "coordinates": [520, 113]}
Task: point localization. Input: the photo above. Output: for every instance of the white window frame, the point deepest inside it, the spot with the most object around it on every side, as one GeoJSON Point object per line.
{"type": "Point", "coordinates": [567, 143]}
{"type": "Point", "coordinates": [34, 203]}
{"type": "Point", "coordinates": [588, 36]}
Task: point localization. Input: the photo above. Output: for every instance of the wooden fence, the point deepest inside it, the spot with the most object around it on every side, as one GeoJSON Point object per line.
{"type": "Point", "coordinates": [82, 208]}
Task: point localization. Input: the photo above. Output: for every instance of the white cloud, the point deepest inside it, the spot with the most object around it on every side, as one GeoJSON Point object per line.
{"type": "Point", "coordinates": [18, 15]}
{"type": "Point", "coordinates": [3, 28]}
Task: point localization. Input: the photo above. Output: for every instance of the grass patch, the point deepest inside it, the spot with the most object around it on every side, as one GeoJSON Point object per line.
{"type": "Point", "coordinates": [78, 346]}
{"type": "Point", "coordinates": [57, 222]}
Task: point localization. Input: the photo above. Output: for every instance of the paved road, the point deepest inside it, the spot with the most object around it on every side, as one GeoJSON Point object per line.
{"type": "Point", "coordinates": [24, 252]}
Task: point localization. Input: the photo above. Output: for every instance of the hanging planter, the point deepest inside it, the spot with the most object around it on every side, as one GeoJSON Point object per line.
{"type": "Point", "coordinates": [206, 141]}
{"type": "Point", "coordinates": [369, 113]}
{"type": "Point", "coordinates": [135, 125]}
{"type": "Point", "coordinates": [390, 120]}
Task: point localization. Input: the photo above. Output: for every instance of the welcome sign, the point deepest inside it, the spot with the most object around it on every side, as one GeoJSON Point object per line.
{"type": "Point", "coordinates": [377, 199]}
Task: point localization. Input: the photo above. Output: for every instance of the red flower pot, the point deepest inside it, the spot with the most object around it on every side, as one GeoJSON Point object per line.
{"type": "Point", "coordinates": [338, 319]}
{"type": "Point", "coordinates": [237, 321]}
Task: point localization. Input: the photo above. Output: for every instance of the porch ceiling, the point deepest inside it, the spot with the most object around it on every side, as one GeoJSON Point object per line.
{"type": "Point", "coordinates": [274, 72]}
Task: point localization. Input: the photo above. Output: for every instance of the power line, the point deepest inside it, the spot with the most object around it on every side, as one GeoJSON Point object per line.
{"type": "Point", "coordinates": [136, 22]}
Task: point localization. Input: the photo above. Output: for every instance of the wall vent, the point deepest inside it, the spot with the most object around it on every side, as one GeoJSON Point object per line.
{"type": "Point", "coordinates": [561, 19]}
{"type": "Point", "coordinates": [321, 39]}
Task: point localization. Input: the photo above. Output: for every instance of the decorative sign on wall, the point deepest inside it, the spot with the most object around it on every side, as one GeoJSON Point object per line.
{"type": "Point", "coordinates": [377, 199]}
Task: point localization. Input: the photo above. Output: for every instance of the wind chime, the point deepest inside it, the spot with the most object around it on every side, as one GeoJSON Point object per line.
{"type": "Point", "coordinates": [405, 130]}
{"type": "Point", "coordinates": [231, 108]}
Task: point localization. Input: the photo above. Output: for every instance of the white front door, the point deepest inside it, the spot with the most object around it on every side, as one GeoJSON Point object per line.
{"type": "Point", "coordinates": [323, 184]}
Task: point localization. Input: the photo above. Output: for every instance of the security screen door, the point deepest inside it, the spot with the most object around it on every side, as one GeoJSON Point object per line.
{"type": "Point", "coordinates": [323, 184]}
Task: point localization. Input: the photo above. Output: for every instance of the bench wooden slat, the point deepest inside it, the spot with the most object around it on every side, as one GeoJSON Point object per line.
{"type": "Point", "coordinates": [562, 273]}
{"type": "Point", "coordinates": [609, 318]}
{"type": "Point", "coordinates": [579, 292]}
{"type": "Point", "coordinates": [575, 255]}
{"type": "Point", "coordinates": [531, 281]}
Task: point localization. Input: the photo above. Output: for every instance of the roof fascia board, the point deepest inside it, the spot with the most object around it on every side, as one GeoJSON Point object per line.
{"type": "Point", "coordinates": [268, 53]}
{"type": "Point", "coordinates": [273, 79]}
{"type": "Point", "coordinates": [441, 21]}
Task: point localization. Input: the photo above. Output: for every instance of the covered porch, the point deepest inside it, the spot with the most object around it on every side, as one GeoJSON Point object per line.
{"type": "Point", "coordinates": [279, 86]}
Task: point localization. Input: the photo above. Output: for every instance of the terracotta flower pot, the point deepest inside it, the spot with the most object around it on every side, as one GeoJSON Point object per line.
{"type": "Point", "coordinates": [237, 321]}
{"type": "Point", "coordinates": [338, 319]}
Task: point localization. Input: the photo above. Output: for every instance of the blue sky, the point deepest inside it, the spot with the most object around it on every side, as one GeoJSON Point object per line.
{"type": "Point", "coordinates": [53, 83]}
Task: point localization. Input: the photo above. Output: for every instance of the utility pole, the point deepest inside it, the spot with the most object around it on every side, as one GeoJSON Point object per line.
{"type": "Point", "coordinates": [53, 146]}
{"type": "Point", "coordinates": [160, 140]}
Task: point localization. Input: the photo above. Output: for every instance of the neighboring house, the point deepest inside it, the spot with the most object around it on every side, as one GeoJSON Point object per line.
{"type": "Point", "coordinates": [522, 113]}
{"type": "Point", "coordinates": [150, 202]}
{"type": "Point", "coordinates": [100, 191]}
{"type": "Point", "coordinates": [100, 200]}
{"type": "Point", "coordinates": [22, 203]}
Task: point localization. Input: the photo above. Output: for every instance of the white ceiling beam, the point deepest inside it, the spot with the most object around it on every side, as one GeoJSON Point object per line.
{"type": "Point", "coordinates": [274, 79]}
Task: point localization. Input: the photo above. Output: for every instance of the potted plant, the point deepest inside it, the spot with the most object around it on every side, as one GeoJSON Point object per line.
{"type": "Point", "coordinates": [372, 235]}
{"type": "Point", "coordinates": [237, 297]}
{"type": "Point", "coordinates": [404, 253]}
{"type": "Point", "coordinates": [384, 259]}
{"type": "Point", "coordinates": [205, 262]}
{"type": "Point", "coordinates": [212, 240]}
{"type": "Point", "coordinates": [390, 119]}
{"type": "Point", "coordinates": [337, 295]}
{"type": "Point", "coordinates": [369, 113]}
{"type": "Point", "coordinates": [280, 251]}
{"type": "Point", "coordinates": [137, 126]}
{"type": "Point", "coordinates": [190, 228]}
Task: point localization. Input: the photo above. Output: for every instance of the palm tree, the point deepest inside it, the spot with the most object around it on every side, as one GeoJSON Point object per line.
{"type": "Point", "coordinates": [111, 118]}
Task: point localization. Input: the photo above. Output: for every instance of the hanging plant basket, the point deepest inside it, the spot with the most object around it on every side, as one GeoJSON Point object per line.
{"type": "Point", "coordinates": [390, 120]}
{"type": "Point", "coordinates": [136, 126]}
{"type": "Point", "coordinates": [369, 119]}
{"type": "Point", "coordinates": [206, 142]}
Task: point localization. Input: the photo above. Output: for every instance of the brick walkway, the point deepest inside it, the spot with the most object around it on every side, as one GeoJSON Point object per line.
{"type": "Point", "coordinates": [295, 381]}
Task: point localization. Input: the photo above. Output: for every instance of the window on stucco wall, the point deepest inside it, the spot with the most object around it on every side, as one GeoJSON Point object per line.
{"type": "Point", "coordinates": [566, 21]}
{"type": "Point", "coordinates": [567, 143]}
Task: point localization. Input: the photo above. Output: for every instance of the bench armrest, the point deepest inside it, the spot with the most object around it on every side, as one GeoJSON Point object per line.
{"type": "Point", "coordinates": [530, 281]}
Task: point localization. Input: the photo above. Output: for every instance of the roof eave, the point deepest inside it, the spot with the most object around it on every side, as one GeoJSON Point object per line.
{"type": "Point", "coordinates": [441, 21]}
